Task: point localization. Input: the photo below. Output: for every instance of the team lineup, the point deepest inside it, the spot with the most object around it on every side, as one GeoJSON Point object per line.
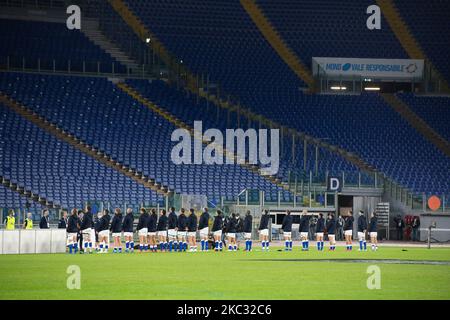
{"type": "Point", "coordinates": [178, 233]}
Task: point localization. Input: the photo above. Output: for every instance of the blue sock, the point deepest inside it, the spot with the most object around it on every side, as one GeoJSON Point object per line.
{"type": "Point", "coordinates": [318, 245]}
{"type": "Point", "coordinates": [85, 245]}
{"type": "Point", "coordinates": [263, 243]}
{"type": "Point", "coordinates": [286, 243]}
{"type": "Point", "coordinates": [250, 242]}
{"type": "Point", "coordinates": [206, 245]}
{"type": "Point", "coordinates": [360, 245]}
{"type": "Point", "coordinates": [365, 245]}
{"type": "Point", "coordinates": [75, 247]}
{"type": "Point", "coordinates": [132, 245]}
{"type": "Point", "coordinates": [170, 246]}
{"type": "Point", "coordinates": [321, 245]}
{"type": "Point", "coordinates": [185, 246]}
{"type": "Point", "coordinates": [70, 248]}
{"type": "Point", "coordinates": [267, 245]}
{"type": "Point", "coordinates": [220, 245]}
{"type": "Point", "coordinates": [203, 244]}
{"type": "Point", "coordinates": [127, 245]}
{"type": "Point", "coordinates": [307, 245]}
{"type": "Point", "coordinates": [90, 244]}
{"type": "Point", "coordinates": [290, 244]}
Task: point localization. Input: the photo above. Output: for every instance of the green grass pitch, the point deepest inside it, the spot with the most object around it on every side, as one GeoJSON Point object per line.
{"type": "Point", "coordinates": [227, 275]}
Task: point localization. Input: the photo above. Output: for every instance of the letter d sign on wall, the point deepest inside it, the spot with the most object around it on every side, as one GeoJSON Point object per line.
{"type": "Point", "coordinates": [334, 184]}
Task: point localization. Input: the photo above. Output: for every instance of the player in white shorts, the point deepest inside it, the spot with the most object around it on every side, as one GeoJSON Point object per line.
{"type": "Point", "coordinates": [162, 230]}
{"type": "Point", "coordinates": [73, 225]}
{"type": "Point", "coordinates": [172, 222]}
{"type": "Point", "coordinates": [217, 231]}
{"type": "Point", "coordinates": [192, 230]}
{"type": "Point", "coordinates": [86, 229]}
{"type": "Point", "coordinates": [286, 226]}
{"type": "Point", "coordinates": [231, 233]}
{"type": "Point", "coordinates": [248, 222]}
{"type": "Point", "coordinates": [362, 229]}
{"type": "Point", "coordinates": [127, 228]}
{"type": "Point", "coordinates": [348, 230]}
{"type": "Point", "coordinates": [331, 230]}
{"type": "Point", "coordinates": [264, 230]}
{"type": "Point", "coordinates": [203, 226]}
{"type": "Point", "coordinates": [182, 231]}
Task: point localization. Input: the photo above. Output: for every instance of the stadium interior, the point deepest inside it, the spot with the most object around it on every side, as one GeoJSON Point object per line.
{"type": "Point", "coordinates": [87, 115]}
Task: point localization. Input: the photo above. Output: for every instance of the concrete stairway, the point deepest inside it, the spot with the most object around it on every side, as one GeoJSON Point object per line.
{"type": "Point", "coordinates": [91, 29]}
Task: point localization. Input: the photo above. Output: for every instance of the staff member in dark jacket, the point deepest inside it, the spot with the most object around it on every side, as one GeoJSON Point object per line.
{"type": "Point", "coordinates": [362, 229]}
{"type": "Point", "coordinates": [127, 228]}
{"type": "Point", "coordinates": [172, 229]}
{"type": "Point", "coordinates": [373, 231]}
{"type": "Point", "coordinates": [331, 231]}
{"type": "Point", "coordinates": [192, 230]}
{"type": "Point", "coordinates": [86, 229]}
{"type": "Point", "coordinates": [182, 231]}
{"type": "Point", "coordinates": [348, 230]}
{"type": "Point", "coordinates": [304, 230]}
{"type": "Point", "coordinates": [73, 226]}
{"type": "Point", "coordinates": [286, 226]}
{"type": "Point", "coordinates": [103, 235]}
{"type": "Point", "coordinates": [320, 228]}
{"type": "Point", "coordinates": [162, 230]}
{"type": "Point", "coordinates": [116, 230]}
{"type": "Point", "coordinates": [203, 226]}
{"type": "Point", "coordinates": [152, 226]}
{"type": "Point", "coordinates": [217, 231]}
{"type": "Point", "coordinates": [142, 229]}
{"type": "Point", "coordinates": [44, 223]}
{"type": "Point", "coordinates": [415, 228]}
{"type": "Point", "coordinates": [264, 230]}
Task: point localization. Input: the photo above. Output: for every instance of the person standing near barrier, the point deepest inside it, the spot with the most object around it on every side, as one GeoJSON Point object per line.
{"type": "Point", "coordinates": [340, 228]}
{"type": "Point", "coordinates": [320, 228]}
{"type": "Point", "coordinates": [203, 226]}
{"type": "Point", "coordinates": [217, 231]}
{"type": "Point", "coordinates": [86, 229]}
{"type": "Point", "coordinates": [73, 226]}
{"type": "Point", "coordinates": [127, 228]}
{"type": "Point", "coordinates": [248, 221]}
{"type": "Point", "coordinates": [28, 224]}
{"type": "Point", "coordinates": [264, 230]}
{"type": "Point", "coordinates": [44, 224]}
{"type": "Point", "coordinates": [116, 230]}
{"type": "Point", "coordinates": [231, 232]}
{"type": "Point", "coordinates": [331, 230]}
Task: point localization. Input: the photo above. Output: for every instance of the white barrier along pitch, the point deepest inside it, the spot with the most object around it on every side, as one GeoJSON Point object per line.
{"type": "Point", "coordinates": [32, 241]}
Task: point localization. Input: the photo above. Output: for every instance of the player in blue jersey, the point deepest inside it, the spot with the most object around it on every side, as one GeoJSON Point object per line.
{"type": "Point", "coordinates": [127, 228]}
{"type": "Point", "coordinates": [373, 231]}
{"type": "Point", "coordinates": [362, 229]}
{"type": "Point", "coordinates": [73, 226]}
{"type": "Point", "coordinates": [152, 226]}
{"type": "Point", "coordinates": [172, 223]}
{"type": "Point", "coordinates": [348, 230]}
{"type": "Point", "coordinates": [182, 231]}
{"type": "Point", "coordinates": [248, 222]}
{"type": "Point", "coordinates": [192, 230]}
{"type": "Point", "coordinates": [116, 230]}
{"type": "Point", "coordinates": [304, 230]}
{"type": "Point", "coordinates": [217, 231]}
{"type": "Point", "coordinates": [331, 231]}
{"type": "Point", "coordinates": [142, 229]}
{"type": "Point", "coordinates": [162, 230]}
{"type": "Point", "coordinates": [203, 227]}
{"type": "Point", "coordinates": [264, 230]}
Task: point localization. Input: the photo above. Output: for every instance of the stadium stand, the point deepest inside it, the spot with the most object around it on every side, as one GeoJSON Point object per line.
{"type": "Point", "coordinates": [42, 42]}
